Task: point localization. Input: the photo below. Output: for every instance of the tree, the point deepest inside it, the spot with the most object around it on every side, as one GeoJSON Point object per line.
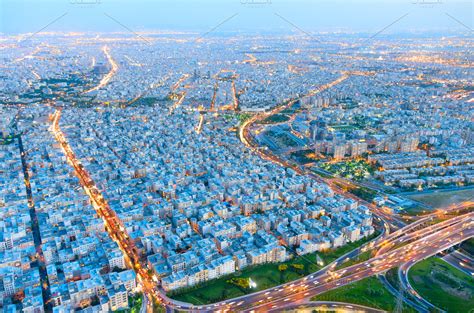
{"type": "Point", "coordinates": [298, 268]}
{"type": "Point", "coordinates": [282, 268]}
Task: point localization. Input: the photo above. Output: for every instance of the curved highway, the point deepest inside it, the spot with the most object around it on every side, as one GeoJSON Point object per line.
{"type": "Point", "coordinates": [403, 278]}
{"type": "Point", "coordinates": [372, 267]}
{"type": "Point", "coordinates": [396, 293]}
{"type": "Point", "coordinates": [411, 247]}
{"type": "Point", "coordinates": [331, 306]}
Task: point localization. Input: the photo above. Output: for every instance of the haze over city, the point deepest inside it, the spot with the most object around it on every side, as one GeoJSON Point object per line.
{"type": "Point", "coordinates": [22, 16]}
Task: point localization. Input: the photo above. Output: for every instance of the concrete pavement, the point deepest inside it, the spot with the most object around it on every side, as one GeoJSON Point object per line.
{"type": "Point", "coordinates": [322, 306]}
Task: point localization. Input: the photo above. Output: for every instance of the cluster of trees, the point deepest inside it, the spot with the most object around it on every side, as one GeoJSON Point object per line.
{"type": "Point", "coordinates": [243, 283]}
{"type": "Point", "coordinates": [298, 268]}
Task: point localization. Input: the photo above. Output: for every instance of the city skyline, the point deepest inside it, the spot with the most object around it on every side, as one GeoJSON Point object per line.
{"type": "Point", "coordinates": [236, 157]}
{"type": "Point", "coordinates": [234, 17]}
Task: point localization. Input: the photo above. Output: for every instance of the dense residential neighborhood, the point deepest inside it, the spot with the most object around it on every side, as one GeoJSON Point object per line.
{"type": "Point", "coordinates": [132, 172]}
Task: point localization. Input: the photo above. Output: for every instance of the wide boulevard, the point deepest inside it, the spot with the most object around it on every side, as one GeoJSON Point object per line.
{"type": "Point", "coordinates": [412, 242]}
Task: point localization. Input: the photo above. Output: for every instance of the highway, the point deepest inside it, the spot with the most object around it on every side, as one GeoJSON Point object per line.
{"type": "Point", "coordinates": [438, 242]}
{"type": "Point", "coordinates": [461, 261]}
{"type": "Point", "coordinates": [299, 291]}
{"type": "Point", "coordinates": [418, 229]}
{"type": "Point", "coordinates": [405, 284]}
{"type": "Point", "coordinates": [396, 293]}
{"type": "Point", "coordinates": [434, 238]}
{"type": "Point", "coordinates": [330, 306]}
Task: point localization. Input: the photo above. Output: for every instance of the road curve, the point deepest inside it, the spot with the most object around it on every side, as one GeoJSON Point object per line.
{"type": "Point", "coordinates": [438, 242]}
{"type": "Point", "coordinates": [403, 278]}
{"type": "Point", "coordinates": [396, 293]}
{"type": "Point", "coordinates": [331, 305]}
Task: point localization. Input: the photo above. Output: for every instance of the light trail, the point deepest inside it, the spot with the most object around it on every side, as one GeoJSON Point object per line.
{"type": "Point", "coordinates": [114, 226]}
{"type": "Point", "coordinates": [105, 80]}
{"type": "Point", "coordinates": [181, 96]}
{"type": "Point", "coordinates": [178, 102]}
{"type": "Point", "coordinates": [35, 74]}
{"type": "Point", "coordinates": [201, 122]}
{"type": "Point", "coordinates": [180, 81]}
{"type": "Point", "coordinates": [235, 100]}
{"type": "Point", "coordinates": [28, 56]}
{"type": "Point", "coordinates": [438, 242]}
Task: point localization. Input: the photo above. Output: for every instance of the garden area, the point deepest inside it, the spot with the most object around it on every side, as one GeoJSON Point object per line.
{"type": "Point", "coordinates": [352, 169]}
{"type": "Point", "coordinates": [275, 119]}
{"type": "Point", "coordinates": [443, 285]}
{"type": "Point", "coordinates": [261, 277]}
{"type": "Point", "coordinates": [241, 117]}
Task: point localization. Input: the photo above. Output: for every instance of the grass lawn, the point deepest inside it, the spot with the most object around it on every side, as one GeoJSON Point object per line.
{"type": "Point", "coordinates": [276, 118]}
{"type": "Point", "coordinates": [320, 172]}
{"type": "Point", "coordinates": [392, 277]}
{"type": "Point", "coordinates": [265, 276]}
{"type": "Point", "coordinates": [416, 210]}
{"type": "Point", "coordinates": [368, 291]}
{"type": "Point", "coordinates": [443, 285]}
{"type": "Point", "coordinates": [443, 198]}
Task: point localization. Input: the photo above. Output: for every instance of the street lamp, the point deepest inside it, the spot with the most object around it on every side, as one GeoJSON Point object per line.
{"type": "Point", "coordinates": [252, 284]}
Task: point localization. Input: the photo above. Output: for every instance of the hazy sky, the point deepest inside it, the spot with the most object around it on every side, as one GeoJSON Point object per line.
{"type": "Point", "coordinates": [19, 16]}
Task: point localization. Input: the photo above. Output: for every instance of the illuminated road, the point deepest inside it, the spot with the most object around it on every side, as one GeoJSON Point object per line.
{"type": "Point", "coordinates": [114, 226]}
{"type": "Point", "coordinates": [201, 122]}
{"type": "Point", "coordinates": [245, 134]}
{"type": "Point", "coordinates": [419, 228]}
{"type": "Point", "coordinates": [330, 306]}
{"type": "Point", "coordinates": [405, 284]}
{"type": "Point", "coordinates": [178, 102]}
{"type": "Point", "coordinates": [461, 261]}
{"type": "Point", "coordinates": [407, 244]}
{"type": "Point", "coordinates": [301, 290]}
{"type": "Point", "coordinates": [438, 241]}
{"type": "Point", "coordinates": [105, 80]}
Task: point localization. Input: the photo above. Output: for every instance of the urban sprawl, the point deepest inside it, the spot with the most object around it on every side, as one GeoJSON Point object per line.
{"type": "Point", "coordinates": [167, 145]}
